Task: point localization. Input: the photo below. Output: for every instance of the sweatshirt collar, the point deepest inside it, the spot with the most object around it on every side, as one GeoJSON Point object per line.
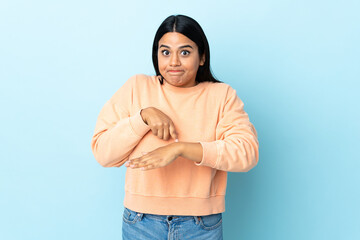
{"type": "Point", "coordinates": [172, 88]}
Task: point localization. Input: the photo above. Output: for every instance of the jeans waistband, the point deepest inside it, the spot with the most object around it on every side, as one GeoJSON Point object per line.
{"type": "Point", "coordinates": [168, 217]}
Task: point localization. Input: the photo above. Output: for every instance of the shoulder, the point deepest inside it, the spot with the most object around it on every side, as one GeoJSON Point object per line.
{"type": "Point", "coordinates": [225, 96]}
{"type": "Point", "coordinates": [142, 79]}
{"type": "Point", "coordinates": [132, 85]}
{"type": "Point", "coordinates": [137, 80]}
{"type": "Point", "coordinates": [222, 90]}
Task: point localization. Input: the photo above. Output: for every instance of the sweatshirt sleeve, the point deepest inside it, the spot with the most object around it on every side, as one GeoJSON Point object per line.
{"type": "Point", "coordinates": [117, 133]}
{"type": "Point", "coordinates": [236, 148]}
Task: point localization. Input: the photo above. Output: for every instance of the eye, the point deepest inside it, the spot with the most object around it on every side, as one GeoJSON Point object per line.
{"type": "Point", "coordinates": [185, 52]}
{"type": "Point", "coordinates": [165, 52]}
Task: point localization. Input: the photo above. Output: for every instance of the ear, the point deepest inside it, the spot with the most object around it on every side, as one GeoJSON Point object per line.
{"type": "Point", "coordinates": [202, 60]}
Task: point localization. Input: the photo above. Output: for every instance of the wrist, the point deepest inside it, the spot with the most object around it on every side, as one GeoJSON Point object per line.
{"type": "Point", "coordinates": [190, 150]}
{"type": "Point", "coordinates": [179, 148]}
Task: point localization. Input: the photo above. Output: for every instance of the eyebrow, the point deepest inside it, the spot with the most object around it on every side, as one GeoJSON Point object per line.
{"type": "Point", "coordinates": [185, 46]}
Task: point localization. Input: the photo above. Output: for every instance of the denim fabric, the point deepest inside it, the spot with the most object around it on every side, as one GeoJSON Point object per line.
{"type": "Point", "coordinates": [143, 226]}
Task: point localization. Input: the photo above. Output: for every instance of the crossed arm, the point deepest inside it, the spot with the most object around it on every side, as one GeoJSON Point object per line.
{"type": "Point", "coordinates": [163, 156]}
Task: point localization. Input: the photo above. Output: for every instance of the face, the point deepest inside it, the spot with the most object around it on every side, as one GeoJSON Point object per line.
{"type": "Point", "coordinates": [178, 59]}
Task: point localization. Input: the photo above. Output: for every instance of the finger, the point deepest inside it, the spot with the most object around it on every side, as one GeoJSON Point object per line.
{"type": "Point", "coordinates": [154, 131]}
{"type": "Point", "coordinates": [160, 133]}
{"type": "Point", "coordinates": [147, 167]}
{"type": "Point", "coordinates": [166, 133]}
{"type": "Point", "coordinates": [145, 163]}
{"type": "Point", "coordinates": [135, 160]}
{"type": "Point", "coordinates": [173, 132]}
{"type": "Point", "coordinates": [151, 165]}
{"type": "Point", "coordinates": [144, 153]}
{"type": "Point", "coordinates": [139, 164]}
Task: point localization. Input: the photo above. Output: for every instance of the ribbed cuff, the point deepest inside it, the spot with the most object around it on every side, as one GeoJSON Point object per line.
{"type": "Point", "coordinates": [210, 155]}
{"type": "Point", "coordinates": [138, 125]}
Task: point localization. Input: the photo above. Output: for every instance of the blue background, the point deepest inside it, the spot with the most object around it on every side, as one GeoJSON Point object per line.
{"type": "Point", "coordinates": [295, 65]}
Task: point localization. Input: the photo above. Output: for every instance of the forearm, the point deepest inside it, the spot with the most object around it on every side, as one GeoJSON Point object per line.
{"type": "Point", "coordinates": [192, 151]}
{"type": "Point", "coordinates": [112, 145]}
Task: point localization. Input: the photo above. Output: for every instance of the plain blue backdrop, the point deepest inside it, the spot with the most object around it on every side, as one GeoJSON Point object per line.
{"type": "Point", "coordinates": [295, 65]}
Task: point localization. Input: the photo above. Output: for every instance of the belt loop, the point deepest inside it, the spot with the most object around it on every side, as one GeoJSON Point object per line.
{"type": "Point", "coordinates": [140, 215]}
{"type": "Point", "coordinates": [197, 219]}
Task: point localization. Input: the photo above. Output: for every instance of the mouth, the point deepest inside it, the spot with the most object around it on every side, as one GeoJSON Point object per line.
{"type": "Point", "coordinates": [175, 71]}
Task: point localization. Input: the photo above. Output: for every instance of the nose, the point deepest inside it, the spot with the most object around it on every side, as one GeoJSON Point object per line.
{"type": "Point", "coordinates": [174, 61]}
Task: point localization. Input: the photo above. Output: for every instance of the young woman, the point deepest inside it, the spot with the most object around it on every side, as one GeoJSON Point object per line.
{"type": "Point", "coordinates": [178, 133]}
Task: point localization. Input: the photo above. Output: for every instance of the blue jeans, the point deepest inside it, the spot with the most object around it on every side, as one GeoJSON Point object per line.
{"type": "Point", "coordinates": [143, 226]}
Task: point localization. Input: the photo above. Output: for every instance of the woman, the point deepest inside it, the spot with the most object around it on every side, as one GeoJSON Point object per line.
{"type": "Point", "coordinates": [178, 133]}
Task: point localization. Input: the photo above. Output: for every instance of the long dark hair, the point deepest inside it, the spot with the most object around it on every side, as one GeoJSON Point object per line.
{"type": "Point", "coordinates": [191, 29]}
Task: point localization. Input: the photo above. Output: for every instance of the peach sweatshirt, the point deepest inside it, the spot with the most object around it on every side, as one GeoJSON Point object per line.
{"type": "Point", "coordinates": [208, 113]}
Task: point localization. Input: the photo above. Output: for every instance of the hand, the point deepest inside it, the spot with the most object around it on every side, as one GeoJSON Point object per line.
{"type": "Point", "coordinates": [160, 157]}
{"type": "Point", "coordinates": [160, 124]}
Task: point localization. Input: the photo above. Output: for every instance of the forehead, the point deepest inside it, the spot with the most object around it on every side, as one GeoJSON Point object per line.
{"type": "Point", "coordinates": [174, 39]}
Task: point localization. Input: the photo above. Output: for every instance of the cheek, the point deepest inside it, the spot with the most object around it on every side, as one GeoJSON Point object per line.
{"type": "Point", "coordinates": [194, 66]}
{"type": "Point", "coordinates": [161, 63]}
{"type": "Point", "coordinates": [162, 67]}
{"type": "Point", "coordinates": [192, 63]}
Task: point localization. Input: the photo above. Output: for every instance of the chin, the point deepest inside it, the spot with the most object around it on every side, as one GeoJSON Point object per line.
{"type": "Point", "coordinates": [174, 80]}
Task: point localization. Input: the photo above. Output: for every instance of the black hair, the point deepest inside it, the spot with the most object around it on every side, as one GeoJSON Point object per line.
{"type": "Point", "coordinates": [191, 29]}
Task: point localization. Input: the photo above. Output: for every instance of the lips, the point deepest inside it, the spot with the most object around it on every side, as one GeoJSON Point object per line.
{"type": "Point", "coordinates": [175, 71]}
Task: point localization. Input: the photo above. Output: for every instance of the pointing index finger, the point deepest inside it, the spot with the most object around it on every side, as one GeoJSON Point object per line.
{"type": "Point", "coordinates": [173, 132]}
